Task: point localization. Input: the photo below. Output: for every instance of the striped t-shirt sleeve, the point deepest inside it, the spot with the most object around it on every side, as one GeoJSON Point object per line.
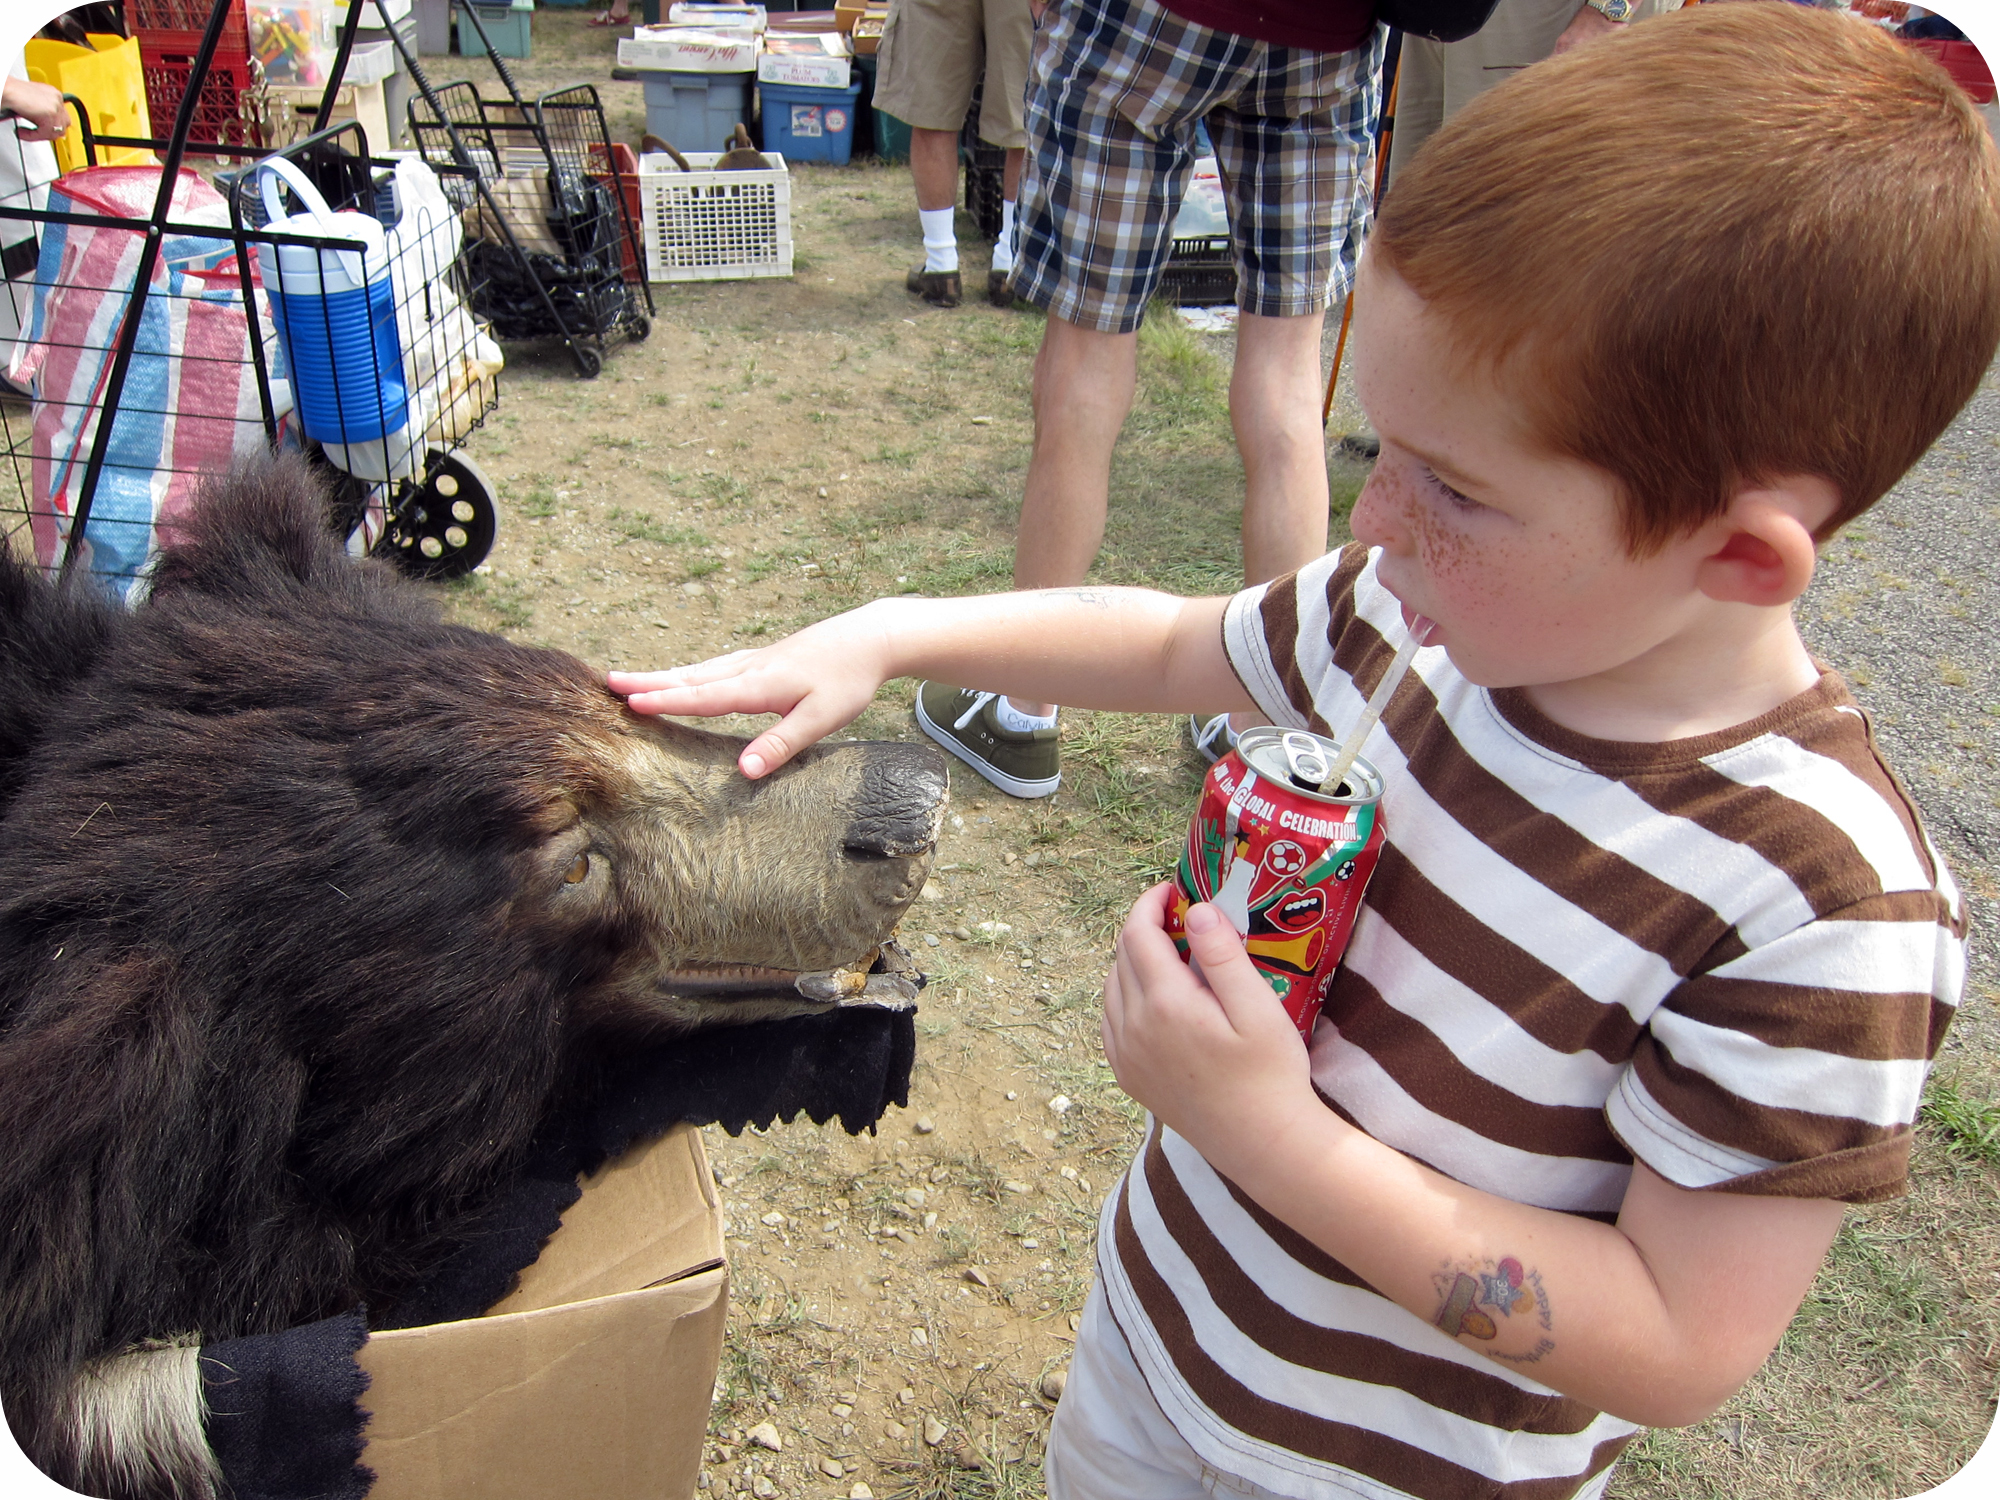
{"type": "Point", "coordinates": [1787, 1051]}
{"type": "Point", "coordinates": [1795, 1065]}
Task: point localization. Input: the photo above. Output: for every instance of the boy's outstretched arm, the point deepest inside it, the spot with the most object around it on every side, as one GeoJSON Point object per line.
{"type": "Point", "coordinates": [1114, 648]}
{"type": "Point", "coordinates": [1657, 1319]}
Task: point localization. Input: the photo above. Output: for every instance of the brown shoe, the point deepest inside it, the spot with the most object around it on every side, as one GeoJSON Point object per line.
{"type": "Point", "coordinates": [999, 288]}
{"type": "Point", "coordinates": [939, 288]}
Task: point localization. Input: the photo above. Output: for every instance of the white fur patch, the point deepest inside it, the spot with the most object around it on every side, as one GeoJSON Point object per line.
{"type": "Point", "coordinates": [136, 1422]}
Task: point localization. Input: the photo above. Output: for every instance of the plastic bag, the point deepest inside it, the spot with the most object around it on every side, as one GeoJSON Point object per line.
{"type": "Point", "coordinates": [189, 405]}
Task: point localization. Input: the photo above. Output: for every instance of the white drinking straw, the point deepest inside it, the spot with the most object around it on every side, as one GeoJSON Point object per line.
{"type": "Point", "coordinates": [1377, 701]}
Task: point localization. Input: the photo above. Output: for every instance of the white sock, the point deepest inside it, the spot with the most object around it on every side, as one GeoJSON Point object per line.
{"type": "Point", "coordinates": [1003, 251]}
{"type": "Point", "coordinates": [940, 242]}
{"type": "Point", "coordinates": [1016, 722]}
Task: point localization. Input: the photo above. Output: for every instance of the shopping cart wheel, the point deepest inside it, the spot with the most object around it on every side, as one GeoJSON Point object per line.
{"type": "Point", "coordinates": [637, 327]}
{"type": "Point", "coordinates": [443, 525]}
{"type": "Point", "coordinates": [589, 363]}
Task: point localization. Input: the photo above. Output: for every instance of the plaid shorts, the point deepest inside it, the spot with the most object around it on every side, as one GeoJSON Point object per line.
{"type": "Point", "coordinates": [1117, 89]}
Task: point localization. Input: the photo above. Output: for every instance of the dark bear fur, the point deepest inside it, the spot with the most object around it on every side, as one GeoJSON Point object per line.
{"type": "Point", "coordinates": [225, 1115]}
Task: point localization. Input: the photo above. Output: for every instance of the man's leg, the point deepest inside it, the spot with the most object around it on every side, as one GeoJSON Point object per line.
{"type": "Point", "coordinates": [1010, 41]}
{"type": "Point", "coordinates": [1294, 146]}
{"type": "Point", "coordinates": [934, 165]}
{"type": "Point", "coordinates": [998, 291]}
{"type": "Point", "coordinates": [928, 61]}
{"type": "Point", "coordinates": [1097, 195]}
{"type": "Point", "coordinates": [1084, 383]}
{"type": "Point", "coordinates": [1274, 398]}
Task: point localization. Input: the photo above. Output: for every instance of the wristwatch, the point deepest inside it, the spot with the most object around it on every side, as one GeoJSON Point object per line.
{"type": "Point", "coordinates": [1613, 10]}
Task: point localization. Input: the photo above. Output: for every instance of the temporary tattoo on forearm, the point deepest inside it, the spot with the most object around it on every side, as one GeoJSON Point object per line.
{"type": "Point", "coordinates": [1094, 598]}
{"type": "Point", "coordinates": [1475, 1298]}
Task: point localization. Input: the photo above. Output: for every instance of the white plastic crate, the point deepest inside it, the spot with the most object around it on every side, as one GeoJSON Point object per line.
{"type": "Point", "coordinates": [706, 225]}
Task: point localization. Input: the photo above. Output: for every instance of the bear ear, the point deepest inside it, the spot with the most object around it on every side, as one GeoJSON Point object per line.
{"type": "Point", "coordinates": [264, 527]}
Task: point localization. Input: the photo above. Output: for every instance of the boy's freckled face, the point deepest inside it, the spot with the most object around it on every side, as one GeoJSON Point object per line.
{"type": "Point", "coordinates": [1516, 553]}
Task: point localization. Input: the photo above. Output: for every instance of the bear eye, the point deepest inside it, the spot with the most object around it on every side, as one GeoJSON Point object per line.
{"type": "Point", "coordinates": [579, 868]}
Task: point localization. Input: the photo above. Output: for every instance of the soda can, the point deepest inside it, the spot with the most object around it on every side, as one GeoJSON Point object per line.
{"type": "Point", "coordinates": [1285, 858]}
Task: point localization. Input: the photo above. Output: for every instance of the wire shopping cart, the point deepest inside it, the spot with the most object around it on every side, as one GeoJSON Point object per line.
{"type": "Point", "coordinates": [555, 244]}
{"type": "Point", "coordinates": [156, 349]}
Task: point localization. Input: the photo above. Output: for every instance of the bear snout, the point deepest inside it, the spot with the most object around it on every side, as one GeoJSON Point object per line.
{"type": "Point", "coordinates": [900, 805]}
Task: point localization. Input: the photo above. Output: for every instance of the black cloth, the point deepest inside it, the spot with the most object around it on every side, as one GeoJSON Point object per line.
{"type": "Point", "coordinates": [283, 1413]}
{"type": "Point", "coordinates": [285, 1416]}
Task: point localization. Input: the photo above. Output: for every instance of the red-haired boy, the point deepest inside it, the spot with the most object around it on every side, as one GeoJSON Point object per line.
{"type": "Point", "coordinates": [1650, 973]}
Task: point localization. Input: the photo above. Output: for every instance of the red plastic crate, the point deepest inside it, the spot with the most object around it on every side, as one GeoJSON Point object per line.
{"type": "Point", "coordinates": [1962, 60]}
{"type": "Point", "coordinates": [625, 167]}
{"type": "Point", "coordinates": [178, 15]}
{"type": "Point", "coordinates": [173, 28]}
{"type": "Point", "coordinates": [216, 120]}
{"type": "Point", "coordinates": [169, 34]}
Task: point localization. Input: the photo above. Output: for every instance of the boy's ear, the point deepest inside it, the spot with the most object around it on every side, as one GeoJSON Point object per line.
{"type": "Point", "coordinates": [1764, 552]}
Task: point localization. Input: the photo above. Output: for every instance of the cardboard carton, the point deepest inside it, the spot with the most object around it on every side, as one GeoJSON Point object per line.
{"type": "Point", "coordinates": [811, 61]}
{"type": "Point", "coordinates": [687, 49]}
{"type": "Point", "coordinates": [592, 1379]}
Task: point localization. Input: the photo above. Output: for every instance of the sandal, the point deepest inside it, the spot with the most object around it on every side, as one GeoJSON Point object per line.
{"type": "Point", "coordinates": [605, 18]}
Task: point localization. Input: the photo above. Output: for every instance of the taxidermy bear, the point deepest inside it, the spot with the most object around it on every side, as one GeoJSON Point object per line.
{"type": "Point", "coordinates": [315, 912]}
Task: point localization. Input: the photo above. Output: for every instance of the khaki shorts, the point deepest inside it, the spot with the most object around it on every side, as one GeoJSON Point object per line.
{"type": "Point", "coordinates": [934, 51]}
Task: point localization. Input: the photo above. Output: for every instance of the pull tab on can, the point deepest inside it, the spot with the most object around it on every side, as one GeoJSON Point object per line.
{"type": "Point", "coordinates": [1304, 759]}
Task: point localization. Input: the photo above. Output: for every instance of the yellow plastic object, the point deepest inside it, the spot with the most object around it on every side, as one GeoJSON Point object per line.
{"type": "Point", "coordinates": [107, 77]}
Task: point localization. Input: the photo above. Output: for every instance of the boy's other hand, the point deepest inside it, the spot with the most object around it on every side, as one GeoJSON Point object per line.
{"type": "Point", "coordinates": [817, 681]}
{"type": "Point", "coordinates": [1219, 1061]}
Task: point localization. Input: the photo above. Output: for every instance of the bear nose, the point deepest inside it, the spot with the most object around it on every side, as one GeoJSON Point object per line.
{"type": "Point", "coordinates": [901, 803]}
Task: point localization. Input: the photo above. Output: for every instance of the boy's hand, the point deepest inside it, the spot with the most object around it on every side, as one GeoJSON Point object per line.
{"type": "Point", "coordinates": [818, 680]}
{"type": "Point", "coordinates": [1219, 1061]}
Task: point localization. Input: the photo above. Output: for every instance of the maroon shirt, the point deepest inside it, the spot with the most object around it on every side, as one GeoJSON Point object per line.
{"type": "Point", "coordinates": [1322, 25]}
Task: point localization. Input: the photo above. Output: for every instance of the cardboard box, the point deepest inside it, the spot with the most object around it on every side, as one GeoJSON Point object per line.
{"type": "Point", "coordinates": [686, 49]}
{"type": "Point", "coordinates": [807, 69]}
{"type": "Point", "coordinates": [716, 12]}
{"type": "Point", "coordinates": [593, 1378]}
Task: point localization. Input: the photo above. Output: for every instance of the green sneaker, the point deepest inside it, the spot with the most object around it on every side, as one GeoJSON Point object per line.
{"type": "Point", "coordinates": [964, 723]}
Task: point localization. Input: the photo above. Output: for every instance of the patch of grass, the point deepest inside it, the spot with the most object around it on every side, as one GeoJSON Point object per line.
{"type": "Point", "coordinates": [640, 527]}
{"type": "Point", "coordinates": [723, 489]}
{"type": "Point", "coordinates": [1182, 381]}
{"type": "Point", "coordinates": [964, 566]}
{"type": "Point", "coordinates": [1968, 1127]}
{"type": "Point", "coordinates": [957, 1244]}
{"type": "Point", "coordinates": [1132, 783]}
{"type": "Point", "coordinates": [540, 501]}
{"type": "Point", "coordinates": [504, 599]}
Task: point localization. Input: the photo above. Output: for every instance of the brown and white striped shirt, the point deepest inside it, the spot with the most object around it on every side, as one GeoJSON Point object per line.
{"type": "Point", "coordinates": [1731, 957]}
